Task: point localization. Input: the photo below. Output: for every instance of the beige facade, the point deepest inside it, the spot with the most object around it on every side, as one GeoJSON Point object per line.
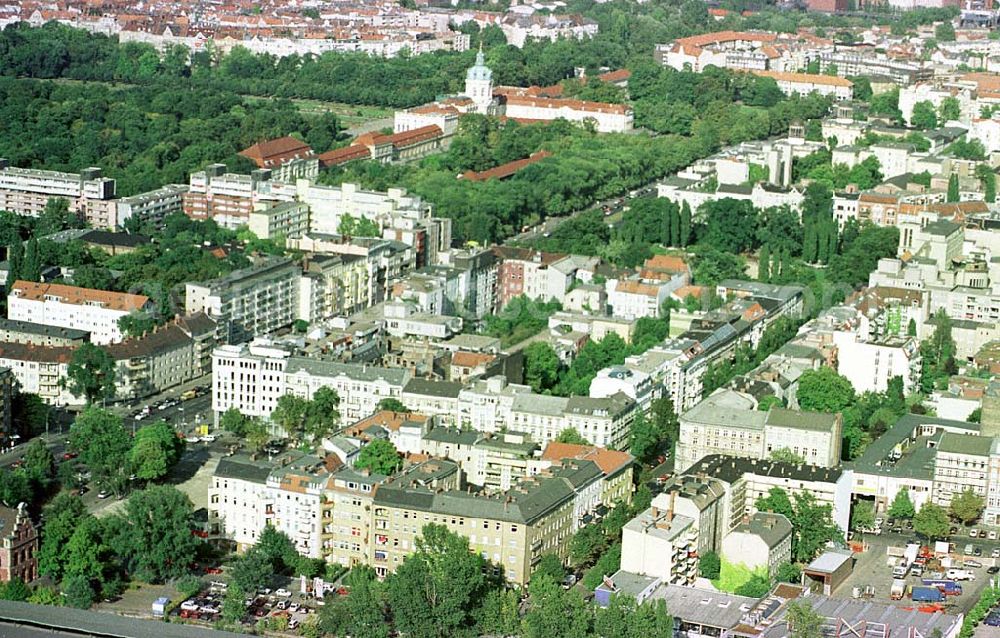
{"type": "Point", "coordinates": [512, 531]}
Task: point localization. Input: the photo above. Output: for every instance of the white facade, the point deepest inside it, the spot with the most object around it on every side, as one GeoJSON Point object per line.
{"type": "Point", "coordinates": [634, 384]}
{"type": "Point", "coordinates": [95, 311]}
{"type": "Point", "coordinates": [869, 366]}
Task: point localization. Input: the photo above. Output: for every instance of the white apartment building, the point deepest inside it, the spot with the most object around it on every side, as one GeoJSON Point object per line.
{"type": "Point", "coordinates": [252, 302]}
{"type": "Point", "coordinates": [229, 198]}
{"type": "Point", "coordinates": [252, 377]}
{"type": "Point", "coordinates": [239, 499]}
{"type": "Point", "coordinates": [602, 422]}
{"type": "Point", "coordinates": [634, 384]}
{"type": "Point", "coordinates": [607, 118]}
{"type": "Point", "coordinates": [95, 311]}
{"type": "Point", "coordinates": [153, 205]}
{"type": "Point", "coordinates": [330, 204]}
{"type": "Point", "coordinates": [807, 83]}
{"type": "Point", "coordinates": [284, 220]}
{"type": "Point", "coordinates": [869, 365]}
{"type": "Point", "coordinates": [26, 191]}
{"type": "Point", "coordinates": [661, 544]}
{"type": "Point", "coordinates": [40, 370]}
{"type": "Point", "coordinates": [961, 462]}
{"type": "Point", "coordinates": [634, 299]}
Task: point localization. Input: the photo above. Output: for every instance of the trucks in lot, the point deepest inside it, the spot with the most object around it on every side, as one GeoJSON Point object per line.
{"type": "Point", "coordinates": [947, 587]}
{"type": "Point", "coordinates": [925, 594]}
{"type": "Point", "coordinates": [898, 589]}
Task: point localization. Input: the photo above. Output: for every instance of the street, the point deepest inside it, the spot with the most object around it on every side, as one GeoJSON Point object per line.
{"type": "Point", "coordinates": [613, 208]}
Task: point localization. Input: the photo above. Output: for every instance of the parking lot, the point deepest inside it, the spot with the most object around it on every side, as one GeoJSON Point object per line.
{"type": "Point", "coordinates": [872, 568]}
{"type": "Point", "coordinates": [280, 604]}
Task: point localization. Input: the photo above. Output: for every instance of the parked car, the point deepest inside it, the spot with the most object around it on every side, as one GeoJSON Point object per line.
{"type": "Point", "coordinates": [208, 438]}
{"type": "Point", "coordinates": [103, 494]}
{"type": "Point", "coordinates": [992, 570]}
{"type": "Point", "coordinates": [992, 535]}
{"type": "Point", "coordinates": [972, 563]}
{"type": "Point", "coordinates": [282, 593]}
{"type": "Point", "coordinates": [973, 533]}
{"type": "Point", "coordinates": [193, 439]}
{"type": "Point", "coordinates": [996, 552]}
{"type": "Point", "coordinates": [977, 551]}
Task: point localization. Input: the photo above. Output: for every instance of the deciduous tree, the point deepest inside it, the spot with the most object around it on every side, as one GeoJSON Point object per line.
{"type": "Point", "coordinates": [380, 456]}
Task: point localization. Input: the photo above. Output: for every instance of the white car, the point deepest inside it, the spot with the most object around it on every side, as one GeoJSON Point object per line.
{"type": "Point", "coordinates": [103, 494]}
{"type": "Point", "coordinates": [282, 593]}
{"type": "Point", "coordinates": [996, 552]}
{"type": "Point", "coordinates": [193, 439]}
{"type": "Point", "coordinates": [293, 607]}
{"type": "Point", "coordinates": [993, 535]}
{"type": "Point", "coordinates": [208, 438]}
{"type": "Point", "coordinates": [190, 605]}
{"type": "Point", "coordinates": [973, 533]}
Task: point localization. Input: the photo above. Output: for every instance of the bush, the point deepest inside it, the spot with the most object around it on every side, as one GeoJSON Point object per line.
{"type": "Point", "coordinates": [710, 565]}
{"type": "Point", "coordinates": [188, 586]}
{"type": "Point", "coordinates": [757, 587]}
{"type": "Point", "coordinates": [789, 573]}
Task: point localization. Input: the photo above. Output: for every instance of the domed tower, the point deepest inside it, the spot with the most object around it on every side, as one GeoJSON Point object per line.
{"type": "Point", "coordinates": [479, 83]}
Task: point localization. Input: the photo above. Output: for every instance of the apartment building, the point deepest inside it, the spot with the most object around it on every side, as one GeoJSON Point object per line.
{"type": "Point", "coordinates": [808, 83]}
{"type": "Point", "coordinates": [869, 364]}
{"type": "Point", "coordinates": [152, 206]}
{"type": "Point", "coordinates": [295, 488]}
{"type": "Point", "coordinates": [40, 334]}
{"type": "Point", "coordinates": [93, 311]}
{"type": "Point", "coordinates": [961, 462]}
{"type": "Point", "coordinates": [607, 118]}
{"type": "Point", "coordinates": [634, 384]}
{"type": "Point", "coordinates": [239, 498]}
{"type": "Point", "coordinates": [251, 302]}
{"type": "Point", "coordinates": [617, 467]}
{"type": "Point", "coordinates": [280, 221]}
{"type": "Point", "coordinates": [252, 377]}
{"type": "Point", "coordinates": [399, 216]}
{"type": "Point", "coordinates": [164, 358]}
{"type": "Point", "coordinates": [349, 496]}
{"type": "Point", "coordinates": [661, 544]}
{"type": "Point", "coordinates": [513, 530]}
{"type": "Point", "coordinates": [537, 275]}
{"type": "Point", "coordinates": [230, 198]}
{"type": "Point", "coordinates": [634, 298]}
{"type": "Point", "coordinates": [360, 386]}
{"type": "Point", "coordinates": [26, 191]}
{"type": "Point", "coordinates": [748, 480]}
{"type": "Point", "coordinates": [334, 285]}
{"type": "Point", "coordinates": [602, 422]}
{"type": "Point", "coordinates": [859, 63]}
{"type": "Point", "coordinates": [729, 423]}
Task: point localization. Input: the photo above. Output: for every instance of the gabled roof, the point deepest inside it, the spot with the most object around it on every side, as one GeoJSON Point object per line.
{"type": "Point", "coordinates": [274, 153]}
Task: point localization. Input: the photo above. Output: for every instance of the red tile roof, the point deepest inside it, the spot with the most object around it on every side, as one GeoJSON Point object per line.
{"type": "Point", "coordinates": [505, 170]}
{"type": "Point", "coordinates": [79, 296]}
{"type": "Point", "coordinates": [273, 153]}
{"type": "Point", "coordinates": [343, 155]}
{"type": "Point", "coordinates": [610, 461]}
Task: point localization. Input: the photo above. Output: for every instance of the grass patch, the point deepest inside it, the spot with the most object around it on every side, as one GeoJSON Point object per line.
{"type": "Point", "coordinates": [733, 575]}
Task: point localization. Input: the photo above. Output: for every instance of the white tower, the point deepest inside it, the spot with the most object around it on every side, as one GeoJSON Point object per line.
{"type": "Point", "coordinates": [479, 83]}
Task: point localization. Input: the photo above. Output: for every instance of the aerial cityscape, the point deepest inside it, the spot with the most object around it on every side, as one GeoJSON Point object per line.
{"type": "Point", "coordinates": [520, 319]}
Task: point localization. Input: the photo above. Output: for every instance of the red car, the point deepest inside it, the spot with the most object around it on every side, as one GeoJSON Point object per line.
{"type": "Point", "coordinates": [69, 455]}
{"type": "Point", "coordinates": [213, 570]}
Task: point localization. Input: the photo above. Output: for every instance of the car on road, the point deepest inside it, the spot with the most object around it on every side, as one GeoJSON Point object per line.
{"type": "Point", "coordinates": [103, 494]}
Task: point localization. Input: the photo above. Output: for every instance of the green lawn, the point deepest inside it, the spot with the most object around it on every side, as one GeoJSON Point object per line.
{"type": "Point", "coordinates": [731, 576]}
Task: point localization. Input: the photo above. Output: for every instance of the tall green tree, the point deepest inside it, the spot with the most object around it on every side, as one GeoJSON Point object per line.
{"type": "Point", "coordinates": [31, 270]}
{"type": "Point", "coordinates": [435, 590]}
{"type": "Point", "coordinates": [541, 366]}
{"type": "Point", "coordinates": [15, 262]}
{"type": "Point", "coordinates": [104, 446]}
{"type": "Point", "coordinates": [824, 390]}
{"type": "Point", "coordinates": [62, 516]}
{"type": "Point", "coordinates": [902, 507]}
{"type": "Point", "coordinates": [380, 456]}
{"type": "Point", "coordinates": [553, 611]}
{"type": "Point", "coordinates": [923, 116]}
{"type": "Point", "coordinates": [156, 450]}
{"type": "Point", "coordinates": [937, 353]}
{"type": "Point", "coordinates": [91, 373]}
{"type": "Point", "coordinates": [967, 506]}
{"type": "Point", "coordinates": [953, 193]}
{"type": "Point", "coordinates": [932, 521]}
{"type": "Point", "coordinates": [156, 539]}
